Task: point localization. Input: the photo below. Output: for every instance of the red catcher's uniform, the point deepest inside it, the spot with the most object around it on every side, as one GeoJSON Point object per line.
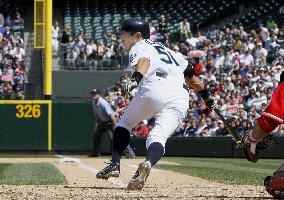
{"type": "Point", "coordinates": [273, 115]}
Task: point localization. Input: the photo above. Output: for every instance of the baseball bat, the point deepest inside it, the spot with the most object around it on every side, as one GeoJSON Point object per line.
{"type": "Point", "coordinates": [231, 130]}
{"type": "Point", "coordinates": [237, 138]}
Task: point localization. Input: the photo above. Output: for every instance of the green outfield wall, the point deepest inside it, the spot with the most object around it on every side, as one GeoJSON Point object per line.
{"type": "Point", "coordinates": [68, 126]}
{"type": "Point", "coordinates": [24, 125]}
{"type": "Point", "coordinates": [73, 125]}
{"type": "Point", "coordinates": [206, 147]}
{"type": "Point", "coordinates": [78, 84]}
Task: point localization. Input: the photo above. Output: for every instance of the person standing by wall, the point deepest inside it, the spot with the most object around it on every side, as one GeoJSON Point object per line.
{"type": "Point", "coordinates": [55, 34]}
{"type": "Point", "coordinates": [184, 26]}
{"type": "Point", "coordinates": [105, 122]}
{"type": "Point", "coordinates": [163, 26]}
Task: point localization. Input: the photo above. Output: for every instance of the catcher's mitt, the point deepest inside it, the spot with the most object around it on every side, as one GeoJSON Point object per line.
{"type": "Point", "coordinates": [265, 143]}
{"type": "Point", "coordinates": [251, 149]}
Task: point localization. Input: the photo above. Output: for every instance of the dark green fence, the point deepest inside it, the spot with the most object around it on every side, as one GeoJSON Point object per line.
{"type": "Point", "coordinates": [73, 125]}
{"type": "Point", "coordinates": [206, 147]}
{"type": "Point", "coordinates": [22, 128]}
{"type": "Point", "coordinates": [72, 130]}
{"type": "Point", "coordinates": [78, 84]}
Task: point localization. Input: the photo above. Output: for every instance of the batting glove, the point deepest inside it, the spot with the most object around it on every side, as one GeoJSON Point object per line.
{"type": "Point", "coordinates": [208, 99]}
{"type": "Point", "coordinates": [128, 86]}
{"type": "Point", "coordinates": [211, 102]}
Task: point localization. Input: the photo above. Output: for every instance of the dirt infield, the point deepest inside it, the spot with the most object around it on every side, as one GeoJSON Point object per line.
{"type": "Point", "coordinates": [82, 184]}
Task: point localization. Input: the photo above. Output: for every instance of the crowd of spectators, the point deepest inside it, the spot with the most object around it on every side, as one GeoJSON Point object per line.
{"type": "Point", "coordinates": [81, 53]}
{"type": "Point", "coordinates": [12, 53]}
{"type": "Point", "coordinates": [241, 68]}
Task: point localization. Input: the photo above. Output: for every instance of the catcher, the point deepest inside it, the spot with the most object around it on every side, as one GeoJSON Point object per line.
{"type": "Point", "coordinates": [260, 138]}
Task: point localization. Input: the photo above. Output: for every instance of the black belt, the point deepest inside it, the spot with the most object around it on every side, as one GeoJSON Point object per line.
{"type": "Point", "coordinates": [164, 75]}
{"type": "Point", "coordinates": [161, 74]}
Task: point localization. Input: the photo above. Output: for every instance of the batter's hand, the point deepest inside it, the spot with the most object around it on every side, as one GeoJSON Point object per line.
{"type": "Point", "coordinates": [211, 102]}
{"type": "Point", "coordinates": [208, 99]}
{"type": "Point", "coordinates": [128, 86]}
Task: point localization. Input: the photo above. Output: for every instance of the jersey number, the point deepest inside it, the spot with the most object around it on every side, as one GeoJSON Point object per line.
{"type": "Point", "coordinates": [169, 59]}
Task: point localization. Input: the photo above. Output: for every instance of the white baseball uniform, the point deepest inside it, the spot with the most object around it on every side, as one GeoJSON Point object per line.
{"type": "Point", "coordinates": [163, 93]}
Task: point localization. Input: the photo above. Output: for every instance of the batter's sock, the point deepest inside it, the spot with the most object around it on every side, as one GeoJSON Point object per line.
{"type": "Point", "coordinates": [155, 152]}
{"type": "Point", "coordinates": [121, 138]}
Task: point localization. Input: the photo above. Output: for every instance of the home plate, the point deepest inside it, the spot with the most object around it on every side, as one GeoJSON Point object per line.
{"type": "Point", "coordinates": [69, 160]}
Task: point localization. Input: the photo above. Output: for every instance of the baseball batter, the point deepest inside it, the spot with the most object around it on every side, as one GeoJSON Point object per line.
{"type": "Point", "coordinates": [161, 74]}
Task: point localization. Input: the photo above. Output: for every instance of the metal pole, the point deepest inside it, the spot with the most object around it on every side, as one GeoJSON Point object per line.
{"type": "Point", "coordinates": [48, 50]}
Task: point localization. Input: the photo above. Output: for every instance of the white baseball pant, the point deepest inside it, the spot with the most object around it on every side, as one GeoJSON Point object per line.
{"type": "Point", "coordinates": [164, 100]}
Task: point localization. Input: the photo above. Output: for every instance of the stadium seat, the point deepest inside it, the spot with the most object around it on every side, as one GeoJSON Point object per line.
{"type": "Point", "coordinates": [251, 20]}
{"type": "Point", "coordinates": [96, 17]}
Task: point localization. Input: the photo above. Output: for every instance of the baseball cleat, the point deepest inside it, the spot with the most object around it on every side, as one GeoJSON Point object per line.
{"type": "Point", "coordinates": [138, 180]}
{"type": "Point", "coordinates": [112, 170]}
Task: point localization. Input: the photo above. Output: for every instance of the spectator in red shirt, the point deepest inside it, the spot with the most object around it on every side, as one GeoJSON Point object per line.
{"type": "Point", "coordinates": [141, 130]}
{"type": "Point", "coordinates": [218, 87]}
{"type": "Point", "coordinates": [122, 102]}
{"type": "Point", "coordinates": [6, 90]}
{"type": "Point", "coordinates": [6, 76]}
{"type": "Point", "coordinates": [197, 66]}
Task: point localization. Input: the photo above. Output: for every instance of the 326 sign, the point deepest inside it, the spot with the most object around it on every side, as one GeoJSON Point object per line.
{"type": "Point", "coordinates": [27, 111]}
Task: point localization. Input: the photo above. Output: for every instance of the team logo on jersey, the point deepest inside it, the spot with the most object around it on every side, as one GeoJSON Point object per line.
{"type": "Point", "coordinates": [132, 57]}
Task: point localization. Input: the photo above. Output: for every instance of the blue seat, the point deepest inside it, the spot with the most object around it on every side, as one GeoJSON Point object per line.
{"type": "Point", "coordinates": [97, 16]}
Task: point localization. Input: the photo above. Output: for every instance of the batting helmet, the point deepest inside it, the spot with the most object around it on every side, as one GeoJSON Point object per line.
{"type": "Point", "coordinates": [134, 25]}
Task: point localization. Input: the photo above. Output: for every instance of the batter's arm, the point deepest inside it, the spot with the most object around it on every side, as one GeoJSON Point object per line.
{"type": "Point", "coordinates": [141, 69]}
{"type": "Point", "coordinates": [142, 65]}
{"type": "Point", "coordinates": [194, 82]}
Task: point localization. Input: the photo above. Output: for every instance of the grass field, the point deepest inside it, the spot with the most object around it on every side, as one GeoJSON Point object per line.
{"type": "Point", "coordinates": [35, 177]}
{"type": "Point", "coordinates": [224, 170]}
{"type": "Point", "coordinates": [30, 174]}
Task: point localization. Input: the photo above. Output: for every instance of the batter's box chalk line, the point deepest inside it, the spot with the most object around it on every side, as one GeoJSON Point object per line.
{"type": "Point", "coordinates": [114, 181]}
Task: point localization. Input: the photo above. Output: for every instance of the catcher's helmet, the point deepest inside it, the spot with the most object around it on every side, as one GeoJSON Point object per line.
{"type": "Point", "coordinates": [274, 184]}
{"type": "Point", "coordinates": [134, 25]}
